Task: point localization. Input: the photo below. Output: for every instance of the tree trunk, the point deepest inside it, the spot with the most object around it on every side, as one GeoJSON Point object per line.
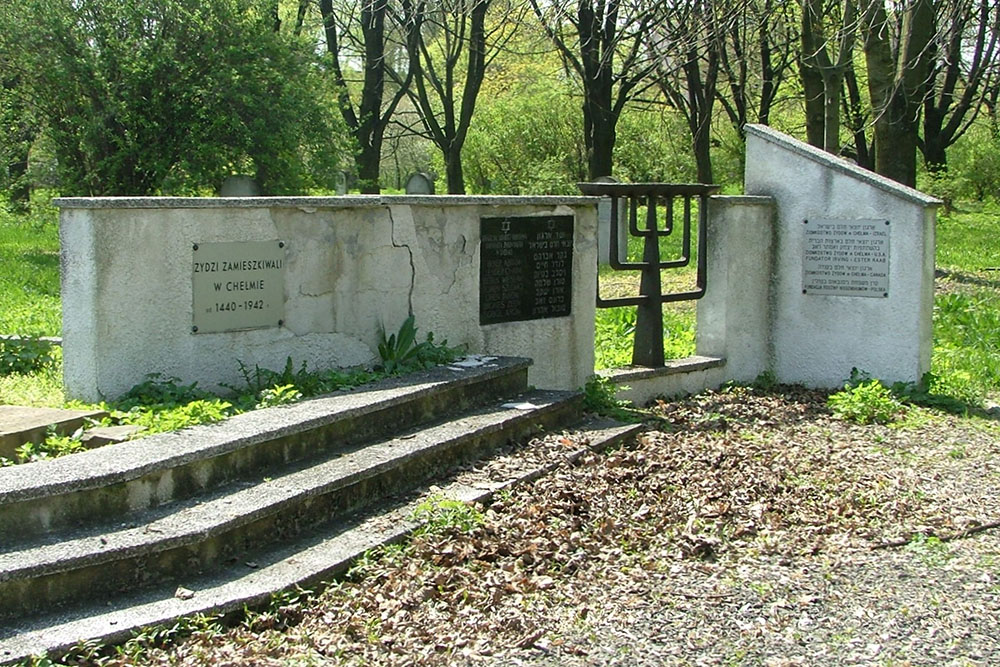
{"type": "Point", "coordinates": [812, 88]}
{"type": "Point", "coordinates": [857, 120]}
{"type": "Point", "coordinates": [368, 161]}
{"type": "Point", "coordinates": [812, 76]}
{"type": "Point", "coordinates": [898, 82]}
{"type": "Point", "coordinates": [832, 84]}
{"type": "Point", "coordinates": [453, 170]}
{"type": "Point", "coordinates": [600, 144]}
{"type": "Point", "coordinates": [702, 152]}
{"type": "Point", "coordinates": [599, 119]}
{"type": "Point", "coordinates": [935, 156]}
{"type": "Point", "coordinates": [701, 100]}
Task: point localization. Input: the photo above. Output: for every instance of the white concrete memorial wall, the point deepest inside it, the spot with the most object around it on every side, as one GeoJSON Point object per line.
{"type": "Point", "coordinates": [852, 266]}
{"type": "Point", "coordinates": [822, 267]}
{"type": "Point", "coordinates": [191, 287]}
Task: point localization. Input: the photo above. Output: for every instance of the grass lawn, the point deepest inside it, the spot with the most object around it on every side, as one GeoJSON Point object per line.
{"type": "Point", "coordinates": [966, 359]}
{"type": "Point", "coordinates": [29, 274]}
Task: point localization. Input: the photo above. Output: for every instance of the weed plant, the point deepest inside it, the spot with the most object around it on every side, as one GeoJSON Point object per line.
{"type": "Point", "coordinates": [440, 515]}
{"type": "Point", "coordinates": [25, 355]}
{"type": "Point", "coordinates": [600, 396]}
{"type": "Point", "coordinates": [866, 402]}
{"type": "Point", "coordinates": [276, 387]}
{"type": "Point", "coordinates": [401, 353]}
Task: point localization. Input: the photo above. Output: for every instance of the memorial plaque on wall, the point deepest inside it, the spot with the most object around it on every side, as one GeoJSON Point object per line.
{"type": "Point", "coordinates": [238, 285]}
{"type": "Point", "coordinates": [525, 270]}
{"type": "Point", "coordinates": [846, 257]}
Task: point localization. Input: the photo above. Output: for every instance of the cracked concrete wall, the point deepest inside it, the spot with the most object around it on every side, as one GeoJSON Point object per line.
{"type": "Point", "coordinates": [351, 266]}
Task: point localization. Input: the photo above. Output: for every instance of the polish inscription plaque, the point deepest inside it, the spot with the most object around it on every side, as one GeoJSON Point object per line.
{"type": "Point", "coordinates": [525, 270]}
{"type": "Point", "coordinates": [238, 285]}
{"type": "Point", "coordinates": [846, 257]}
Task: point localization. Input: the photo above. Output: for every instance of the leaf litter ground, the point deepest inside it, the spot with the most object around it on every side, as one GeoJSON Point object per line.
{"type": "Point", "coordinates": [743, 527]}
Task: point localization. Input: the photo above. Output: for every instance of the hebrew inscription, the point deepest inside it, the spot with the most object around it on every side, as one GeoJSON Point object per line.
{"type": "Point", "coordinates": [238, 285]}
{"type": "Point", "coordinates": [526, 267]}
{"type": "Point", "coordinates": [846, 257]}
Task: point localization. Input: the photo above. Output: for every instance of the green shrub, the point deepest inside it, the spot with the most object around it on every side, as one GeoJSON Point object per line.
{"type": "Point", "coordinates": [973, 165]}
{"type": "Point", "coordinates": [279, 395]}
{"type": "Point", "coordinates": [24, 355]}
{"type": "Point", "coordinates": [309, 383]}
{"type": "Point", "coordinates": [53, 445]}
{"type": "Point", "coordinates": [158, 389]}
{"type": "Point", "coordinates": [866, 402]}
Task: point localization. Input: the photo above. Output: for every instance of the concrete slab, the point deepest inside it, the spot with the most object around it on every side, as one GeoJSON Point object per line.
{"type": "Point", "coordinates": [20, 424]}
{"type": "Point", "coordinates": [109, 435]}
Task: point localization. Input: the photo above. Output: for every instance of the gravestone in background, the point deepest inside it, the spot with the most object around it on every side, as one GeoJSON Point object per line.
{"type": "Point", "coordinates": [239, 185]}
{"type": "Point", "coordinates": [420, 184]}
{"type": "Point", "coordinates": [604, 226]}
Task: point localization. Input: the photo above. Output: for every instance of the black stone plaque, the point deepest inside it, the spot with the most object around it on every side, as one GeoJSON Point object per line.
{"type": "Point", "coordinates": [525, 268]}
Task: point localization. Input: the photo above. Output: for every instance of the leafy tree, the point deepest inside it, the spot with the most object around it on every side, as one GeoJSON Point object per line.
{"type": "Point", "coordinates": [605, 44]}
{"type": "Point", "coordinates": [964, 73]}
{"type": "Point", "coordinates": [450, 44]}
{"type": "Point", "coordinates": [689, 44]}
{"type": "Point", "coordinates": [361, 31]}
{"type": "Point", "coordinates": [527, 137]}
{"type": "Point", "coordinates": [18, 129]}
{"type": "Point", "coordinates": [757, 54]}
{"type": "Point", "coordinates": [148, 96]}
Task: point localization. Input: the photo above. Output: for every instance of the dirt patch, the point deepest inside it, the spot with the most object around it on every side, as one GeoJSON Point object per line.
{"type": "Point", "coordinates": [742, 527]}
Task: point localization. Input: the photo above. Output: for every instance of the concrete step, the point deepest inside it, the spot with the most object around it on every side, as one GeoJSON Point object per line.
{"type": "Point", "coordinates": [112, 482]}
{"type": "Point", "coordinates": [315, 556]}
{"type": "Point", "coordinates": [20, 424]}
{"type": "Point", "coordinates": [227, 525]}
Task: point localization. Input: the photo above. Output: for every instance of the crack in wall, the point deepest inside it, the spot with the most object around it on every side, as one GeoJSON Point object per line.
{"type": "Point", "coordinates": [458, 265]}
{"type": "Point", "coordinates": [314, 293]}
{"type": "Point", "coordinates": [409, 251]}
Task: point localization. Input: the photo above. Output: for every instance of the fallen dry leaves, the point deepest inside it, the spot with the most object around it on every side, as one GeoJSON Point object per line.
{"type": "Point", "coordinates": [741, 527]}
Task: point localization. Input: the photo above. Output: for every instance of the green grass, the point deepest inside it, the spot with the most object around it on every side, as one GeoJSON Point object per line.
{"type": "Point", "coordinates": [615, 331]}
{"type": "Point", "coordinates": [967, 240]}
{"type": "Point", "coordinates": [42, 388]}
{"type": "Point", "coordinates": [29, 273]}
{"type": "Point", "coordinates": [966, 358]}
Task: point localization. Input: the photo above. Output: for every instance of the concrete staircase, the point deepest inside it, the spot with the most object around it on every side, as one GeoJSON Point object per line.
{"type": "Point", "coordinates": [213, 518]}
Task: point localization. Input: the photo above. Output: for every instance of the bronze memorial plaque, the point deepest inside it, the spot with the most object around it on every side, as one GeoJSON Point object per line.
{"type": "Point", "coordinates": [238, 285]}
{"type": "Point", "coordinates": [846, 257]}
{"type": "Point", "coordinates": [526, 268]}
